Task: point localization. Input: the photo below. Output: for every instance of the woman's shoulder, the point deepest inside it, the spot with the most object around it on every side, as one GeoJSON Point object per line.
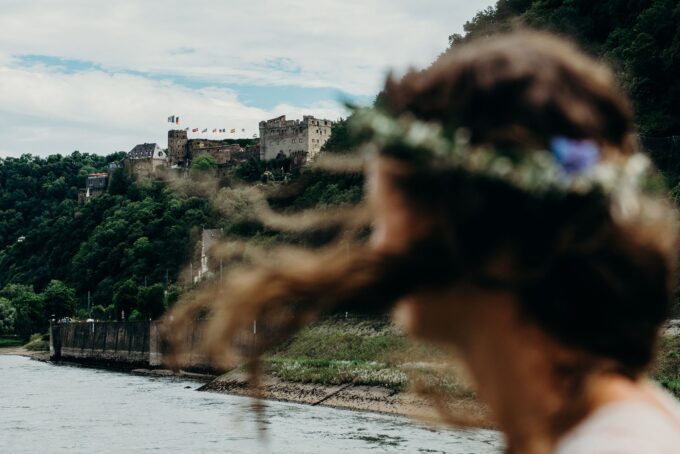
{"type": "Point", "coordinates": [628, 426]}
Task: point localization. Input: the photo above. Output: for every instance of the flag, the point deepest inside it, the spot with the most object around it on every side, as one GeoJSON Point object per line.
{"type": "Point", "coordinates": [205, 130]}
{"type": "Point", "coordinates": [194, 130]}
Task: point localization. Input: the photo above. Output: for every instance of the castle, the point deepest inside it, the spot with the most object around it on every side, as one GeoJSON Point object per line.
{"type": "Point", "coordinates": [182, 150]}
{"type": "Point", "coordinates": [299, 140]}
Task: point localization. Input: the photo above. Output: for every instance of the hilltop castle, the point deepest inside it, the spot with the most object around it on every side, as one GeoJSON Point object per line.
{"type": "Point", "coordinates": [299, 140]}
{"type": "Point", "coordinates": [182, 150]}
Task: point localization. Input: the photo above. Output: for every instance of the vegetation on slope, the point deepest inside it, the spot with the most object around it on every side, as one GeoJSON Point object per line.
{"type": "Point", "coordinates": [641, 38]}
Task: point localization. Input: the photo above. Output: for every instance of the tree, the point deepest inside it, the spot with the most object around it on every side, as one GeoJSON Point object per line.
{"type": "Point", "coordinates": [340, 140]}
{"type": "Point", "coordinates": [125, 298]}
{"type": "Point", "coordinates": [100, 312]}
{"type": "Point", "coordinates": [151, 301]}
{"type": "Point", "coordinates": [119, 182]}
{"type": "Point", "coordinates": [203, 164]}
{"type": "Point", "coordinates": [250, 171]}
{"type": "Point", "coordinates": [31, 316]}
{"type": "Point", "coordinates": [8, 316]}
{"type": "Point", "coordinates": [641, 38]}
{"type": "Point", "coordinates": [60, 299]}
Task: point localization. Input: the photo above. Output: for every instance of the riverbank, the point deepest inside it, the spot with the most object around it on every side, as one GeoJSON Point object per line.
{"type": "Point", "coordinates": [351, 397]}
{"type": "Point", "coordinates": [75, 409]}
{"type": "Point", "coordinates": [369, 365]}
{"type": "Point", "coordinates": [23, 351]}
{"type": "Point", "coordinates": [362, 364]}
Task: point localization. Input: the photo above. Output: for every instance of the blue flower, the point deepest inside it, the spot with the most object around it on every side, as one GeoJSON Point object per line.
{"type": "Point", "coordinates": [575, 156]}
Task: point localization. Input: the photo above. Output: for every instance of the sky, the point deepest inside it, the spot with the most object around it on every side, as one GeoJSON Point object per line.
{"type": "Point", "coordinates": [102, 76]}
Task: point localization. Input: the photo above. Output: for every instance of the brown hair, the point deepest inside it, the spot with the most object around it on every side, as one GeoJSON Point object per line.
{"type": "Point", "coordinates": [597, 282]}
{"type": "Point", "coordinates": [522, 87]}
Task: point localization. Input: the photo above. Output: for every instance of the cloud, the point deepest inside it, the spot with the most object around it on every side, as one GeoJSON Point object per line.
{"type": "Point", "coordinates": [94, 111]}
{"type": "Point", "coordinates": [101, 76]}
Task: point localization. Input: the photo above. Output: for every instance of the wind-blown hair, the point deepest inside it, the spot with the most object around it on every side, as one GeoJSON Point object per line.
{"type": "Point", "coordinates": [596, 281]}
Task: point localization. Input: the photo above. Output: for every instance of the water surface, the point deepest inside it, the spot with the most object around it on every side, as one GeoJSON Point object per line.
{"type": "Point", "coordinates": [48, 408]}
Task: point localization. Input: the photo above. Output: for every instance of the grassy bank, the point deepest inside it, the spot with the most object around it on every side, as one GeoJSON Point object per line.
{"type": "Point", "coordinates": [10, 341]}
{"type": "Point", "coordinates": [370, 352]}
{"type": "Point", "coordinates": [667, 368]}
{"type": "Point", "coordinates": [38, 342]}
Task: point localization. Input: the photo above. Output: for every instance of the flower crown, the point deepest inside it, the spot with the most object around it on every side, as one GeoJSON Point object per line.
{"type": "Point", "coordinates": [569, 166]}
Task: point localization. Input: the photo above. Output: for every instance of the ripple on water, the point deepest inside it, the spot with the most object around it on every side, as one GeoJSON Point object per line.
{"type": "Point", "coordinates": [47, 408]}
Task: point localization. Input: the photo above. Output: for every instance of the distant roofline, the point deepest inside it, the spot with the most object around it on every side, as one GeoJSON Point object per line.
{"type": "Point", "coordinates": [282, 118]}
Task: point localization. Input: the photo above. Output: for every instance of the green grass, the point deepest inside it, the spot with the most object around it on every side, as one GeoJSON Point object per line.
{"type": "Point", "coordinates": [369, 352]}
{"type": "Point", "coordinates": [337, 372]}
{"type": "Point", "coordinates": [667, 368]}
{"type": "Point", "coordinates": [10, 341]}
{"type": "Point", "coordinates": [373, 353]}
{"type": "Point", "coordinates": [38, 342]}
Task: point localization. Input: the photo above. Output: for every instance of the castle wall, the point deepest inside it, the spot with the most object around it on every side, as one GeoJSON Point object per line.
{"type": "Point", "coordinates": [181, 151]}
{"type": "Point", "coordinates": [144, 166]}
{"type": "Point", "coordinates": [298, 139]}
{"type": "Point", "coordinates": [177, 141]}
{"type": "Point", "coordinates": [220, 151]}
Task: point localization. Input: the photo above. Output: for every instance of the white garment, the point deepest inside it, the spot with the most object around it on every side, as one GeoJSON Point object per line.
{"type": "Point", "coordinates": [633, 426]}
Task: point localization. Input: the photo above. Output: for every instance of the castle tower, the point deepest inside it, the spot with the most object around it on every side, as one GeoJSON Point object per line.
{"type": "Point", "coordinates": [177, 141]}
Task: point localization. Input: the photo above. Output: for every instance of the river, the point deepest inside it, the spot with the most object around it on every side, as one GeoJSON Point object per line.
{"type": "Point", "coordinates": [56, 409]}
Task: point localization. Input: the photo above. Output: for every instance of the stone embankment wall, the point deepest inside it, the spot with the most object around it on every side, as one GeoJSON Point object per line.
{"type": "Point", "coordinates": [126, 343]}
{"type": "Point", "coordinates": [116, 342]}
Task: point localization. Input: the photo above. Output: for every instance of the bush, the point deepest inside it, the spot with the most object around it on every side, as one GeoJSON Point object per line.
{"type": "Point", "coordinates": [38, 342]}
{"type": "Point", "coordinates": [8, 316]}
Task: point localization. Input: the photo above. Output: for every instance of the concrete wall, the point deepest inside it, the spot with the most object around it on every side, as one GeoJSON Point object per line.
{"type": "Point", "coordinates": [119, 342]}
{"type": "Point", "coordinates": [123, 343]}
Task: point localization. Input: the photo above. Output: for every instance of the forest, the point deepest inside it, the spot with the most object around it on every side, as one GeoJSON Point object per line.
{"type": "Point", "coordinates": [640, 38]}
{"type": "Point", "coordinates": [124, 253]}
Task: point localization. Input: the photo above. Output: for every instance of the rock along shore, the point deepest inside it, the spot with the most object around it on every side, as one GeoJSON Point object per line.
{"type": "Point", "coordinates": [346, 396]}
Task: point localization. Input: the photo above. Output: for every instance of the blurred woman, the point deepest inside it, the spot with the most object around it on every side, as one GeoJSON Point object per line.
{"type": "Point", "coordinates": [514, 219]}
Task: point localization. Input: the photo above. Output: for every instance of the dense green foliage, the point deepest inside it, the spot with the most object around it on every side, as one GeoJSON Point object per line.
{"type": "Point", "coordinates": [340, 139]}
{"type": "Point", "coordinates": [30, 313]}
{"type": "Point", "coordinates": [203, 163]}
{"type": "Point", "coordinates": [641, 38]}
{"type": "Point", "coordinates": [8, 316]}
{"type": "Point", "coordinates": [54, 250]}
{"type": "Point", "coordinates": [118, 255]}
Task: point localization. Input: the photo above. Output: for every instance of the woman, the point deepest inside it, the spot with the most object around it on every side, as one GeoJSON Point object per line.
{"type": "Point", "coordinates": [513, 220]}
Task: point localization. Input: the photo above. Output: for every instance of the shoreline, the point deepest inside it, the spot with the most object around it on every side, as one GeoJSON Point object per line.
{"type": "Point", "coordinates": [40, 355]}
{"type": "Point", "coordinates": [347, 396]}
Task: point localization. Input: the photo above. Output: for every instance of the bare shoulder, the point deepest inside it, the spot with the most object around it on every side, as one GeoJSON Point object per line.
{"type": "Point", "coordinates": [631, 426]}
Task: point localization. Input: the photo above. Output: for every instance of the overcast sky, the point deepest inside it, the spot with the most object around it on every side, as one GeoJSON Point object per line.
{"type": "Point", "coordinates": [102, 76]}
